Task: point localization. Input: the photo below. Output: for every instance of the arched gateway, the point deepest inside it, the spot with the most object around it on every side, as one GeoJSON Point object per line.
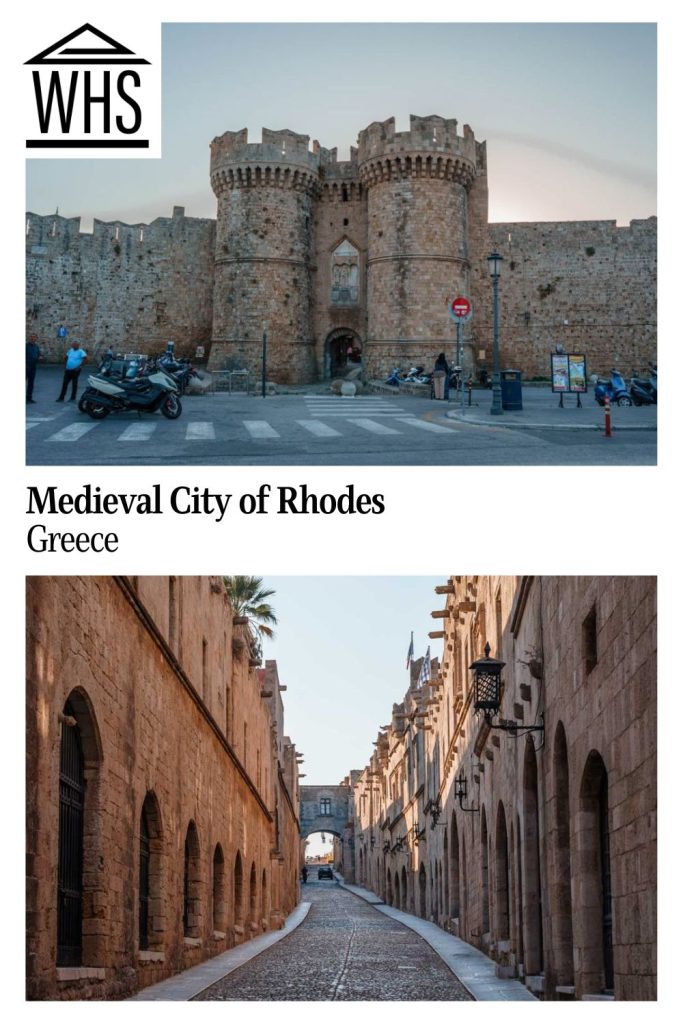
{"type": "Point", "coordinates": [329, 809]}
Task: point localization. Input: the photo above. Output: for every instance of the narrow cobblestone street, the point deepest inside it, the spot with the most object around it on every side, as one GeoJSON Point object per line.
{"type": "Point", "coordinates": [344, 950]}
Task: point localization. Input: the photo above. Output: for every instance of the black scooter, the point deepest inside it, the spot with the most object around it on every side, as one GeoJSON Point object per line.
{"type": "Point", "coordinates": [643, 390]}
{"type": "Point", "coordinates": [145, 394]}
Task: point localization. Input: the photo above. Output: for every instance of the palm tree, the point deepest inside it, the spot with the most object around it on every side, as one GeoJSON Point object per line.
{"type": "Point", "coordinates": [249, 600]}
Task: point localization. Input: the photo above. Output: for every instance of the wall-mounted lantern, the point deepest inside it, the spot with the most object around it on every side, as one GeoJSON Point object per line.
{"type": "Point", "coordinates": [461, 793]}
{"type": "Point", "coordinates": [487, 694]}
{"type": "Point", "coordinates": [434, 809]}
{"type": "Point", "coordinates": [417, 833]}
{"type": "Point", "coordinates": [386, 846]}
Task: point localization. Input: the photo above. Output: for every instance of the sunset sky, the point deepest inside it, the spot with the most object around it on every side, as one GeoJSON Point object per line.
{"type": "Point", "coordinates": [568, 112]}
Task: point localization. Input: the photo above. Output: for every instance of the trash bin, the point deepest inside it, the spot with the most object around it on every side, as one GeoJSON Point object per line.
{"type": "Point", "coordinates": [439, 378]}
{"type": "Point", "coordinates": [511, 389]}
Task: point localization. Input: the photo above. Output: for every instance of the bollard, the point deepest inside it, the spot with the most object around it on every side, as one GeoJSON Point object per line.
{"type": "Point", "coordinates": [608, 419]}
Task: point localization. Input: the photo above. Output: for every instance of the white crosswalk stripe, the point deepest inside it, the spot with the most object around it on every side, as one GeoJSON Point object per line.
{"type": "Point", "coordinates": [32, 423]}
{"type": "Point", "coordinates": [260, 429]}
{"type": "Point", "coordinates": [199, 431]}
{"type": "Point", "coordinates": [374, 428]}
{"type": "Point", "coordinates": [73, 432]}
{"type": "Point", "coordinates": [318, 428]}
{"type": "Point", "coordinates": [436, 428]}
{"type": "Point", "coordinates": [346, 408]}
{"type": "Point", "coordinates": [138, 432]}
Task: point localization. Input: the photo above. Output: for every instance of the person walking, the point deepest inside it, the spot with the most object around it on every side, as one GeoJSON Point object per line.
{"type": "Point", "coordinates": [304, 874]}
{"type": "Point", "coordinates": [441, 369]}
{"type": "Point", "coordinates": [32, 357]}
{"type": "Point", "coordinates": [75, 357]}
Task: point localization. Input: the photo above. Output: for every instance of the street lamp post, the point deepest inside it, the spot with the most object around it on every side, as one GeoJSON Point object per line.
{"type": "Point", "coordinates": [494, 261]}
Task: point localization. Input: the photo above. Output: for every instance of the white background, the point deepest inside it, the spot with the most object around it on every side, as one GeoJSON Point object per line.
{"type": "Point", "coordinates": [528, 520]}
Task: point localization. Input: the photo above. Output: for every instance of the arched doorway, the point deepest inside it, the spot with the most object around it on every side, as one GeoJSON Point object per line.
{"type": "Point", "coordinates": [485, 922]}
{"type": "Point", "coordinates": [531, 884]}
{"type": "Point", "coordinates": [561, 907]}
{"type": "Point", "coordinates": [422, 885]}
{"type": "Point", "coordinates": [343, 352]}
{"type": "Point", "coordinates": [595, 879]}
{"type": "Point", "coordinates": [80, 880]}
{"type": "Point", "coordinates": [454, 871]}
{"type": "Point", "coordinates": [502, 881]}
{"type": "Point", "coordinates": [150, 896]}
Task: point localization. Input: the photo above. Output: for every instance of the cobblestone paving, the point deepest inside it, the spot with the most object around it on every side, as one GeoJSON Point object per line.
{"type": "Point", "coordinates": [344, 950]}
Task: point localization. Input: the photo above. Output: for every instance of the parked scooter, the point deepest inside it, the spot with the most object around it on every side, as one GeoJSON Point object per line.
{"type": "Point", "coordinates": [643, 390]}
{"type": "Point", "coordinates": [615, 389]}
{"type": "Point", "coordinates": [158, 391]}
{"type": "Point", "coordinates": [394, 378]}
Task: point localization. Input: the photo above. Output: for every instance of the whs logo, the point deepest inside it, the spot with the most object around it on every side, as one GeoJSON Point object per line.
{"type": "Point", "coordinates": [90, 92]}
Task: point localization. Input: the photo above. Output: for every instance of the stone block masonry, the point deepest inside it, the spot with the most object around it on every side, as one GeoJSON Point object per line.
{"type": "Point", "coordinates": [538, 848]}
{"type": "Point", "coordinates": [162, 793]}
{"type": "Point", "coordinates": [363, 254]}
{"type": "Point", "coordinates": [131, 286]}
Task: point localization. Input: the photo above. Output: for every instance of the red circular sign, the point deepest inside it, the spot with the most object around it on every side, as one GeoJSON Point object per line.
{"type": "Point", "coordinates": [461, 307]}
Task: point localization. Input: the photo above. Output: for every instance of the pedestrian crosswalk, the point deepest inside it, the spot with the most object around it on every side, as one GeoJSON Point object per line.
{"type": "Point", "coordinates": [327, 418]}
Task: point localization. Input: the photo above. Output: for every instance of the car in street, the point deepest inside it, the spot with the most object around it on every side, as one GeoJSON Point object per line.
{"type": "Point", "coordinates": [325, 873]}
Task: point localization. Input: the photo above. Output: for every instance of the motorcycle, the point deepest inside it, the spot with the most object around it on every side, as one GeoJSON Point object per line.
{"type": "Point", "coordinates": [643, 390]}
{"type": "Point", "coordinates": [144, 394]}
{"type": "Point", "coordinates": [181, 371]}
{"type": "Point", "coordinates": [615, 389]}
{"type": "Point", "coordinates": [394, 379]}
{"type": "Point", "coordinates": [455, 378]}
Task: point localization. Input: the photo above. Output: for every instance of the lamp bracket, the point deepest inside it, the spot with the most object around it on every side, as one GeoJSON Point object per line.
{"type": "Point", "coordinates": [505, 725]}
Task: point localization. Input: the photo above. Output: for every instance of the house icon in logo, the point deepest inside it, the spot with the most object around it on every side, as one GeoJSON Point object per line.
{"type": "Point", "coordinates": [88, 93]}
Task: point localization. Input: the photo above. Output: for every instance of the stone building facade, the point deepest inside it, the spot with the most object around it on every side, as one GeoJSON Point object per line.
{"type": "Point", "coordinates": [329, 809]}
{"type": "Point", "coordinates": [539, 848]}
{"type": "Point", "coordinates": [341, 261]}
{"type": "Point", "coordinates": [162, 793]}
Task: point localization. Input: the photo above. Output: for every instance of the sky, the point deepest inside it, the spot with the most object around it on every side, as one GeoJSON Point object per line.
{"type": "Point", "coordinates": [341, 645]}
{"type": "Point", "coordinates": [568, 111]}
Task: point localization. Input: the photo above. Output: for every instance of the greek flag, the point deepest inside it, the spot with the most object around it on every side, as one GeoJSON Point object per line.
{"type": "Point", "coordinates": [411, 651]}
{"type": "Point", "coordinates": [426, 670]}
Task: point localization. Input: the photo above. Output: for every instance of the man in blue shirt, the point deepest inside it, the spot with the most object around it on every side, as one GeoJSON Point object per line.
{"type": "Point", "coordinates": [32, 357]}
{"type": "Point", "coordinates": [75, 357]}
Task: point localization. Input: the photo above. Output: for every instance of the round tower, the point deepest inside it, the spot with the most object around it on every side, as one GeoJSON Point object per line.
{"type": "Point", "coordinates": [417, 185]}
{"type": "Point", "coordinates": [262, 265]}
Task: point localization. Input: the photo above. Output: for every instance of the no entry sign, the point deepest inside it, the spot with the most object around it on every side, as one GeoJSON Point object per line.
{"type": "Point", "coordinates": [460, 309]}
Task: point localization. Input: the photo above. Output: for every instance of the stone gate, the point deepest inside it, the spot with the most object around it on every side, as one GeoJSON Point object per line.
{"type": "Point", "coordinates": [325, 809]}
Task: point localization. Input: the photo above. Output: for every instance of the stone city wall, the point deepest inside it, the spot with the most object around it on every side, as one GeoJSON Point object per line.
{"type": "Point", "coordinates": [170, 717]}
{"type": "Point", "coordinates": [132, 286]}
{"type": "Point", "coordinates": [414, 208]}
{"type": "Point", "coordinates": [589, 285]}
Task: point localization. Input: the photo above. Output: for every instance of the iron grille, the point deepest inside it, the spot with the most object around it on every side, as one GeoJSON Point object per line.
{"type": "Point", "coordinates": [488, 693]}
{"type": "Point", "coordinates": [70, 867]}
{"type": "Point", "coordinates": [144, 883]}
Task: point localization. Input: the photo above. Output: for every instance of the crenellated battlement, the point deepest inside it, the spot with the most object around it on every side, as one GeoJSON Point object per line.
{"type": "Point", "coordinates": [432, 135]}
{"type": "Point", "coordinates": [282, 159]}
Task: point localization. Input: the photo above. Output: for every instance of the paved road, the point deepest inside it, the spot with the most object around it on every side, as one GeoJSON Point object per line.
{"type": "Point", "coordinates": [321, 429]}
{"type": "Point", "coordinates": [344, 950]}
